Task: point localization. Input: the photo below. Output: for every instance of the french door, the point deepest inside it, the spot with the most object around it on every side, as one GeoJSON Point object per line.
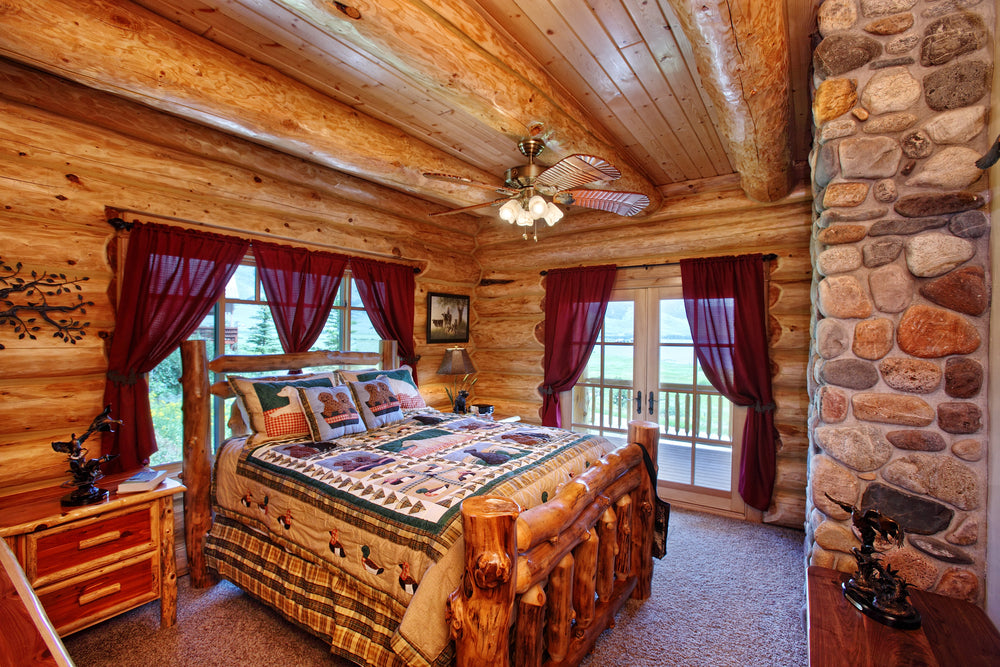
{"type": "Point", "coordinates": [644, 367]}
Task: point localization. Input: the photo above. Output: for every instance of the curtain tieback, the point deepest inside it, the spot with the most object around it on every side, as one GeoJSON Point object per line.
{"type": "Point", "coordinates": [411, 360]}
{"type": "Point", "coordinates": [545, 390]}
{"type": "Point", "coordinates": [120, 378]}
{"type": "Point", "coordinates": [764, 407]}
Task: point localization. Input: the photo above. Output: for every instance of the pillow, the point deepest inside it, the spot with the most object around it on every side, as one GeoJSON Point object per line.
{"type": "Point", "coordinates": [273, 407]}
{"type": "Point", "coordinates": [378, 404]}
{"type": "Point", "coordinates": [400, 381]}
{"type": "Point", "coordinates": [331, 413]}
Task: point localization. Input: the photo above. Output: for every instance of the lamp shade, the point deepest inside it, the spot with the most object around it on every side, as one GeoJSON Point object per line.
{"type": "Point", "coordinates": [456, 362]}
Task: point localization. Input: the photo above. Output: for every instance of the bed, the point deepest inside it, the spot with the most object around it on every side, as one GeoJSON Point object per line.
{"type": "Point", "coordinates": [423, 539]}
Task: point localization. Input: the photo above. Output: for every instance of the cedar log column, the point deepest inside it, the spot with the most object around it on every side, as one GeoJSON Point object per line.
{"type": "Point", "coordinates": [197, 459]}
{"type": "Point", "coordinates": [646, 435]}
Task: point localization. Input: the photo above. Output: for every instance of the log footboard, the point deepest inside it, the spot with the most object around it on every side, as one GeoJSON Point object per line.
{"type": "Point", "coordinates": [566, 567]}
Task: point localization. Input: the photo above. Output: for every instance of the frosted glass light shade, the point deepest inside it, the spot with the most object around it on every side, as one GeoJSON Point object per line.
{"type": "Point", "coordinates": [537, 206]}
{"type": "Point", "coordinates": [510, 211]}
{"type": "Point", "coordinates": [524, 219]}
{"type": "Point", "coordinates": [553, 214]}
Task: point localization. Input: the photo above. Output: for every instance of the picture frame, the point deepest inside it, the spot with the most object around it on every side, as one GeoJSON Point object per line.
{"type": "Point", "coordinates": [447, 318]}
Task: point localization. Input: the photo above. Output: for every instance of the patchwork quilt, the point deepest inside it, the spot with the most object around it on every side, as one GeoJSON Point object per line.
{"type": "Point", "coordinates": [384, 506]}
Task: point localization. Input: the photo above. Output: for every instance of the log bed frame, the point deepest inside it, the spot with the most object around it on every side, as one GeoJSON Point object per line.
{"type": "Point", "coordinates": [556, 574]}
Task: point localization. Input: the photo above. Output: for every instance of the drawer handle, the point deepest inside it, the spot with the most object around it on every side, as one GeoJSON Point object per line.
{"type": "Point", "coordinates": [98, 593]}
{"type": "Point", "coordinates": [97, 540]}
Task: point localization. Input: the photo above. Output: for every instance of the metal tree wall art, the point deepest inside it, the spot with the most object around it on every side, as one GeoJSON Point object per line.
{"type": "Point", "coordinates": [22, 296]}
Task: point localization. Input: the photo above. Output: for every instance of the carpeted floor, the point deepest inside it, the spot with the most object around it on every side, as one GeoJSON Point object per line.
{"type": "Point", "coordinates": [728, 594]}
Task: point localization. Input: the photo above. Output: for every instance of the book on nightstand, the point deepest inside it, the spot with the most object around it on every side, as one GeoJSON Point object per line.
{"type": "Point", "coordinates": [144, 480]}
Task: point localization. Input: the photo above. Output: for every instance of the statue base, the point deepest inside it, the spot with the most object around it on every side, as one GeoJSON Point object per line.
{"type": "Point", "coordinates": [85, 495]}
{"type": "Point", "coordinates": [864, 601]}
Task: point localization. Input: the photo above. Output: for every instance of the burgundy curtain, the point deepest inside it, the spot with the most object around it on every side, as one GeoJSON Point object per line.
{"type": "Point", "coordinates": [575, 303]}
{"type": "Point", "coordinates": [301, 286]}
{"type": "Point", "coordinates": [724, 300]}
{"type": "Point", "coordinates": [172, 279]}
{"type": "Point", "coordinates": [387, 291]}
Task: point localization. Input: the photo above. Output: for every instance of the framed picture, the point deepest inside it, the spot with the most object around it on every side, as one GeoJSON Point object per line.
{"type": "Point", "coordinates": [447, 318]}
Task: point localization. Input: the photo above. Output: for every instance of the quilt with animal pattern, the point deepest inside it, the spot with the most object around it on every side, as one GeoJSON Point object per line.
{"type": "Point", "coordinates": [385, 505]}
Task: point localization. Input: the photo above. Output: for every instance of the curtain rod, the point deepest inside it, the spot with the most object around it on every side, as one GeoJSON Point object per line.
{"type": "Point", "coordinates": [119, 224]}
{"type": "Point", "coordinates": [769, 257]}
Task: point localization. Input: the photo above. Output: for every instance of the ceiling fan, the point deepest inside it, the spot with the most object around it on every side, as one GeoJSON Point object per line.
{"type": "Point", "coordinates": [526, 186]}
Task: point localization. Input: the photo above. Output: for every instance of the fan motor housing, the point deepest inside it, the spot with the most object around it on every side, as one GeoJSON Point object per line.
{"type": "Point", "coordinates": [523, 176]}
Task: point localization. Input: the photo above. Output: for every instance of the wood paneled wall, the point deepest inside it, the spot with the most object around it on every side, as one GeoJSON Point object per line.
{"type": "Point", "coordinates": [713, 218]}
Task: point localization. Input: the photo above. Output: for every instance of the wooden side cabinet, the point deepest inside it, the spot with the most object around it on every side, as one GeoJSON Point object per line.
{"type": "Point", "coordinates": [87, 564]}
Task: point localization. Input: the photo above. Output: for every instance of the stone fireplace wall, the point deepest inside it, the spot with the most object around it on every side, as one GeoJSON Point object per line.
{"type": "Point", "coordinates": [899, 358]}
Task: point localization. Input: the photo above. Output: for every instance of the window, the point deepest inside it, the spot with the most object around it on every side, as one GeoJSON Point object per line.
{"type": "Point", "coordinates": [242, 324]}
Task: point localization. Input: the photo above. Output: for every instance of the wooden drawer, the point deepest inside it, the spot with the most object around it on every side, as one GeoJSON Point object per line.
{"type": "Point", "coordinates": [82, 601]}
{"type": "Point", "coordinates": [68, 550]}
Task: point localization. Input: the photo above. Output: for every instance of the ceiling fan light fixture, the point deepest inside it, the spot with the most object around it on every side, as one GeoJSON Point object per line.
{"type": "Point", "coordinates": [537, 207]}
{"type": "Point", "coordinates": [509, 211]}
{"type": "Point", "coordinates": [553, 214]}
{"type": "Point", "coordinates": [524, 219]}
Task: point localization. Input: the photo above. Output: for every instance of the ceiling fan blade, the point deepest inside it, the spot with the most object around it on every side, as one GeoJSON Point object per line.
{"type": "Point", "coordinates": [577, 170]}
{"type": "Point", "coordinates": [621, 203]}
{"type": "Point", "coordinates": [495, 202]}
{"type": "Point", "coordinates": [468, 181]}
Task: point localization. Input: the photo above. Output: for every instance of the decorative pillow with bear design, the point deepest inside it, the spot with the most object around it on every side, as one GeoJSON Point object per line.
{"type": "Point", "coordinates": [377, 402]}
{"type": "Point", "coordinates": [274, 410]}
{"type": "Point", "coordinates": [400, 381]}
{"type": "Point", "coordinates": [331, 413]}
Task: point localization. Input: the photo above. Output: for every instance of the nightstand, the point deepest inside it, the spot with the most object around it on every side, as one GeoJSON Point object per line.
{"type": "Point", "coordinates": [89, 563]}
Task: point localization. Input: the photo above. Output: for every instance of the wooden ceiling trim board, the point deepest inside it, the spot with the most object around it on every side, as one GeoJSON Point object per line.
{"type": "Point", "coordinates": [801, 26]}
{"type": "Point", "coordinates": [73, 39]}
{"type": "Point", "coordinates": [742, 54]}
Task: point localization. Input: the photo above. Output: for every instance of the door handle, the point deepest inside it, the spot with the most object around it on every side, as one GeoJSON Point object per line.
{"type": "Point", "coordinates": [652, 403]}
{"type": "Point", "coordinates": [638, 403]}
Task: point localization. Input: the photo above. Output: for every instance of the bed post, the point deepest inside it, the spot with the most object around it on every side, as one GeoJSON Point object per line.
{"type": "Point", "coordinates": [197, 458]}
{"type": "Point", "coordinates": [646, 435]}
{"type": "Point", "coordinates": [389, 349]}
{"type": "Point", "coordinates": [480, 611]}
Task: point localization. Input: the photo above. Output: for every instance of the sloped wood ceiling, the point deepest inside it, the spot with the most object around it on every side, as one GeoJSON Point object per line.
{"type": "Point", "coordinates": [669, 91]}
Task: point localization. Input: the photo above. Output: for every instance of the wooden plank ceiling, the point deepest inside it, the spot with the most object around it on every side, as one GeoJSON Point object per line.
{"type": "Point", "coordinates": [467, 79]}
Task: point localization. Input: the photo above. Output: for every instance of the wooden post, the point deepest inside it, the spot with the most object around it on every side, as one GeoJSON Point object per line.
{"type": "Point", "coordinates": [528, 635]}
{"type": "Point", "coordinates": [646, 435]}
{"type": "Point", "coordinates": [197, 458]}
{"type": "Point", "coordinates": [168, 563]}
{"type": "Point", "coordinates": [557, 635]}
{"type": "Point", "coordinates": [623, 550]}
{"type": "Point", "coordinates": [584, 580]}
{"type": "Point", "coordinates": [607, 545]}
{"type": "Point", "coordinates": [480, 611]}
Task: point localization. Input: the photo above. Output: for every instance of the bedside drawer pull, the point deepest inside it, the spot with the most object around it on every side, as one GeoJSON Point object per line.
{"type": "Point", "coordinates": [98, 540]}
{"type": "Point", "coordinates": [96, 594]}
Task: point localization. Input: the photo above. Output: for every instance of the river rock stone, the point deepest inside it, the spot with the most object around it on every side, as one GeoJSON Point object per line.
{"type": "Point", "coordinates": [891, 89]}
{"type": "Point", "coordinates": [960, 584]}
{"type": "Point", "coordinates": [953, 168]}
{"type": "Point", "coordinates": [959, 418]}
{"type": "Point", "coordinates": [940, 550]}
{"type": "Point", "coordinates": [843, 297]}
{"type": "Point", "coordinates": [845, 194]}
{"type": "Point", "coordinates": [860, 113]}
{"type": "Point", "coordinates": [838, 234]}
{"type": "Point", "coordinates": [850, 373]}
{"type": "Point", "coordinates": [838, 259]}
{"type": "Point", "coordinates": [842, 52]}
{"type": "Point", "coordinates": [964, 290]}
{"type": "Point", "coordinates": [959, 84]}
{"type": "Point", "coordinates": [968, 449]}
{"type": "Point", "coordinates": [890, 123]}
{"type": "Point", "coordinates": [938, 9]}
{"type": "Point", "coordinates": [836, 15]}
{"type": "Point", "coordinates": [872, 338]}
{"type": "Point", "coordinates": [892, 409]}
{"type": "Point", "coordinates": [934, 254]}
{"type": "Point", "coordinates": [930, 332]}
{"type": "Point", "coordinates": [930, 204]}
{"type": "Point", "coordinates": [906, 226]}
{"type": "Point", "coordinates": [831, 338]}
{"type": "Point", "coordinates": [963, 377]}
{"type": "Point", "coordinates": [832, 405]}
{"type": "Point", "coordinates": [916, 568]}
{"type": "Point", "coordinates": [965, 533]}
{"type": "Point", "coordinates": [880, 253]}
{"type": "Point", "coordinates": [836, 129]}
{"type": "Point", "coordinates": [885, 190]}
{"type": "Point", "coordinates": [917, 441]}
{"type": "Point", "coordinates": [950, 36]}
{"type": "Point", "coordinates": [829, 477]}
{"type": "Point", "coordinates": [891, 62]}
{"type": "Point", "coordinates": [860, 447]}
{"type": "Point", "coordinates": [958, 126]}
{"type": "Point", "coordinates": [969, 224]}
{"type": "Point", "coordinates": [902, 44]}
{"type": "Point", "coordinates": [914, 514]}
{"type": "Point", "coordinates": [890, 25]}
{"type": "Point", "coordinates": [827, 165]}
{"type": "Point", "coordinates": [869, 157]}
{"type": "Point", "coordinates": [916, 376]}
{"type": "Point", "coordinates": [834, 537]}
{"type": "Point", "coordinates": [940, 477]}
{"type": "Point", "coordinates": [891, 287]}
{"type": "Point", "coordinates": [871, 8]}
{"type": "Point", "coordinates": [916, 145]}
{"type": "Point", "coordinates": [857, 215]}
{"type": "Point", "coordinates": [833, 98]}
